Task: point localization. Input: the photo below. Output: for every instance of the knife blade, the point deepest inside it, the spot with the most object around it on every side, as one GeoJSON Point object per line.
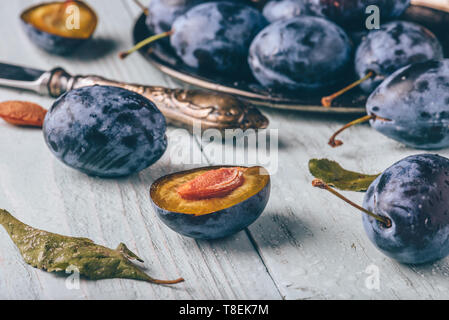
{"type": "Point", "coordinates": [12, 72]}
{"type": "Point", "coordinates": [185, 108]}
{"type": "Point", "coordinates": [23, 78]}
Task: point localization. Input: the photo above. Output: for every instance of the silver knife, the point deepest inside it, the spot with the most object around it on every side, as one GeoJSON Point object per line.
{"type": "Point", "coordinates": [184, 108]}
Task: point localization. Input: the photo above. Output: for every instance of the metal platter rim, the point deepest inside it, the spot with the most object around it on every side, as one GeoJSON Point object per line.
{"type": "Point", "coordinates": [251, 97]}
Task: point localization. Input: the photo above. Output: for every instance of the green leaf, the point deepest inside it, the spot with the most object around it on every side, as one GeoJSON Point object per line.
{"type": "Point", "coordinates": [55, 253]}
{"type": "Point", "coordinates": [334, 175]}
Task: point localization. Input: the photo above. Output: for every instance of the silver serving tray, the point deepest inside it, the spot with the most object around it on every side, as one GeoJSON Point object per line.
{"type": "Point", "coordinates": [163, 58]}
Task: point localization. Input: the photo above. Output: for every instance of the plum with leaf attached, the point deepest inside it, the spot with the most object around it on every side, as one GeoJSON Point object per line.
{"type": "Point", "coordinates": [407, 209]}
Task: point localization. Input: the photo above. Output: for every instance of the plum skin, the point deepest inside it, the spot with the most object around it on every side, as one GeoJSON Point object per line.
{"type": "Point", "coordinates": [294, 54]}
{"type": "Point", "coordinates": [162, 13]}
{"type": "Point", "coordinates": [218, 224]}
{"type": "Point", "coordinates": [415, 100]}
{"type": "Point", "coordinates": [215, 36]}
{"type": "Point", "coordinates": [395, 45]}
{"type": "Point", "coordinates": [414, 194]}
{"type": "Point", "coordinates": [105, 131]}
{"type": "Point", "coordinates": [52, 43]}
{"type": "Point", "coordinates": [275, 10]}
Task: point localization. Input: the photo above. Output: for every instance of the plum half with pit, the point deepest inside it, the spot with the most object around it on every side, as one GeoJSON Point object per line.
{"type": "Point", "coordinates": [352, 13]}
{"type": "Point", "coordinates": [302, 53]}
{"type": "Point", "coordinates": [215, 36]}
{"type": "Point", "coordinates": [46, 25]}
{"type": "Point", "coordinates": [211, 202]}
{"type": "Point", "coordinates": [414, 195]}
{"type": "Point", "coordinates": [395, 45]}
{"type": "Point", "coordinates": [105, 131]}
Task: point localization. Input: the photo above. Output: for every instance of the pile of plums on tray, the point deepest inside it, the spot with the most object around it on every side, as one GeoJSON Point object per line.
{"type": "Point", "coordinates": [297, 46]}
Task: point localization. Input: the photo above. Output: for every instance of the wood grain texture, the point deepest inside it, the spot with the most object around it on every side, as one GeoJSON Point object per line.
{"type": "Point", "coordinates": [306, 245]}
{"type": "Point", "coordinates": [314, 245]}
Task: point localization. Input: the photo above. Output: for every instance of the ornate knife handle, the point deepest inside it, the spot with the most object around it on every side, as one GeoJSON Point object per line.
{"type": "Point", "coordinates": [180, 107]}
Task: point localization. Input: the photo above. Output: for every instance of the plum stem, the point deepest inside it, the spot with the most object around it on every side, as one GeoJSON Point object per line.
{"type": "Point", "coordinates": [322, 185]}
{"type": "Point", "coordinates": [167, 281]}
{"type": "Point", "coordinates": [335, 143]}
{"type": "Point", "coordinates": [145, 42]}
{"type": "Point", "coordinates": [142, 7]}
{"type": "Point", "coordinates": [327, 101]}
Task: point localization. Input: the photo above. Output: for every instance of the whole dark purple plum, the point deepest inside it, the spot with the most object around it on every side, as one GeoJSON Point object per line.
{"type": "Point", "coordinates": [412, 105]}
{"type": "Point", "coordinates": [414, 194]}
{"type": "Point", "coordinates": [352, 13]}
{"type": "Point", "coordinates": [301, 53]}
{"type": "Point", "coordinates": [395, 45]}
{"type": "Point", "coordinates": [162, 13]}
{"type": "Point", "coordinates": [215, 36]}
{"type": "Point", "coordinates": [276, 10]}
{"type": "Point", "coordinates": [105, 131]}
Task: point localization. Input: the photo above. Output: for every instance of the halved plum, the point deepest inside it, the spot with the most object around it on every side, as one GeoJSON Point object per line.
{"type": "Point", "coordinates": [211, 202]}
{"type": "Point", "coordinates": [58, 28]}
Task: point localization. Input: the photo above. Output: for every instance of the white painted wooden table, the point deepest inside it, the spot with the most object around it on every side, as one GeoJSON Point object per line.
{"type": "Point", "coordinates": [306, 245]}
